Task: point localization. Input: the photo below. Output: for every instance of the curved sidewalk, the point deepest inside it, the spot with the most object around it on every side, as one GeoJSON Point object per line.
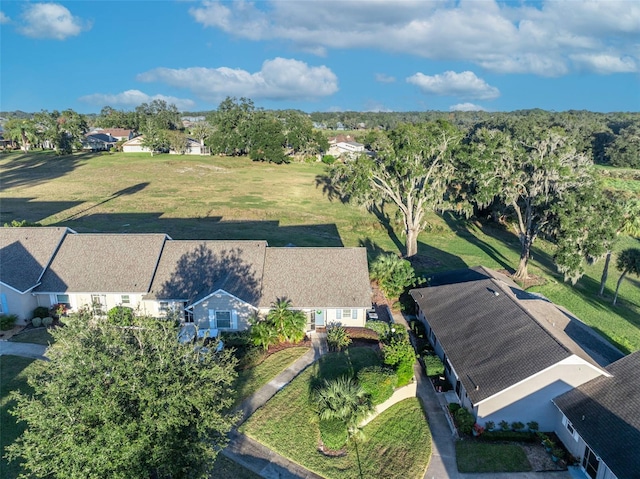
{"type": "Point", "coordinates": [253, 455]}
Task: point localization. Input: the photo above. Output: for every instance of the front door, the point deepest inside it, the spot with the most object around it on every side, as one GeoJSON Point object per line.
{"type": "Point", "coordinates": [590, 462]}
{"type": "Point", "coordinates": [319, 318]}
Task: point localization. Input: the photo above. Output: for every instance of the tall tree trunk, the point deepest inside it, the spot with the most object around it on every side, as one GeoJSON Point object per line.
{"type": "Point", "coordinates": [605, 274]}
{"type": "Point", "coordinates": [615, 298]}
{"type": "Point", "coordinates": [412, 241]}
{"type": "Point", "coordinates": [525, 253]}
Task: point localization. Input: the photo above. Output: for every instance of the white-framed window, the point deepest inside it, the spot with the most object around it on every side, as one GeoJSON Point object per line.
{"type": "Point", "coordinates": [124, 299]}
{"type": "Point", "coordinates": [3, 304]}
{"type": "Point", "coordinates": [346, 314]}
{"type": "Point", "coordinates": [63, 299]}
{"type": "Point", "coordinates": [164, 306]}
{"type": "Point", "coordinates": [223, 319]}
{"type": "Point", "coordinates": [98, 303]}
{"type": "Point", "coordinates": [569, 427]}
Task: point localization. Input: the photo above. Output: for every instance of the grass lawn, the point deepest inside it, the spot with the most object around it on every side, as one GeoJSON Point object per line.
{"type": "Point", "coordinates": [12, 378]}
{"type": "Point", "coordinates": [474, 456]}
{"type": "Point", "coordinates": [398, 441]}
{"type": "Point", "coordinates": [251, 379]}
{"type": "Point", "coordinates": [35, 336]}
{"type": "Point", "coordinates": [235, 198]}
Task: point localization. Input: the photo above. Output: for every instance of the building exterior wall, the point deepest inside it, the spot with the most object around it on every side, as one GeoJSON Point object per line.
{"type": "Point", "coordinates": [108, 300]}
{"type": "Point", "coordinates": [331, 317]}
{"type": "Point", "coordinates": [530, 400]}
{"type": "Point", "coordinates": [12, 302]}
{"type": "Point", "coordinates": [221, 301]}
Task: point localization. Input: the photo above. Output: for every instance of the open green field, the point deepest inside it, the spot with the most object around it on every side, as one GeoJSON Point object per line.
{"type": "Point", "coordinates": [235, 198]}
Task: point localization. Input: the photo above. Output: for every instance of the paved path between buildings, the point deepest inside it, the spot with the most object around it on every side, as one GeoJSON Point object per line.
{"type": "Point", "coordinates": [253, 455]}
{"type": "Point", "coordinates": [27, 350]}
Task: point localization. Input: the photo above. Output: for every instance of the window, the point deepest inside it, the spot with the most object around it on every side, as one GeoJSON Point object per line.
{"type": "Point", "coordinates": [346, 313]}
{"type": "Point", "coordinates": [98, 304]}
{"type": "Point", "coordinates": [124, 299]}
{"type": "Point", "coordinates": [63, 299]}
{"type": "Point", "coordinates": [188, 315]}
{"type": "Point", "coordinates": [223, 319]}
{"type": "Point", "coordinates": [569, 427]}
{"type": "Point", "coordinates": [164, 306]}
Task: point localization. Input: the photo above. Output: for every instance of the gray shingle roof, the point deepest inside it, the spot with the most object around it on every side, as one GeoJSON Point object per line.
{"type": "Point", "coordinates": [25, 252]}
{"type": "Point", "coordinates": [104, 263]}
{"type": "Point", "coordinates": [191, 270]}
{"type": "Point", "coordinates": [492, 340]}
{"type": "Point", "coordinates": [317, 277]}
{"type": "Point", "coordinates": [606, 413]}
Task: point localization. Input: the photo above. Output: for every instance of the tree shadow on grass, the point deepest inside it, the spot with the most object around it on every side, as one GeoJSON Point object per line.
{"type": "Point", "coordinates": [37, 167]}
{"type": "Point", "coordinates": [32, 211]}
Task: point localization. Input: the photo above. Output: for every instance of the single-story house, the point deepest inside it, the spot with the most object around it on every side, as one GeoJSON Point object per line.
{"type": "Point", "coordinates": [134, 145]}
{"type": "Point", "coordinates": [98, 142]}
{"type": "Point", "coordinates": [599, 421]}
{"type": "Point", "coordinates": [118, 133]}
{"type": "Point", "coordinates": [193, 147]}
{"type": "Point", "coordinates": [25, 254]}
{"type": "Point", "coordinates": [507, 352]}
{"type": "Point", "coordinates": [214, 284]}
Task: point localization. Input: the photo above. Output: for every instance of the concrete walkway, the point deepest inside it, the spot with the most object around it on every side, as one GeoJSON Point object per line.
{"type": "Point", "coordinates": [253, 455]}
{"type": "Point", "coordinates": [27, 350]}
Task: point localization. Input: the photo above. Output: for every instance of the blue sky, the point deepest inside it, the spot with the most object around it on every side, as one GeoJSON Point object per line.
{"type": "Point", "coordinates": [364, 55]}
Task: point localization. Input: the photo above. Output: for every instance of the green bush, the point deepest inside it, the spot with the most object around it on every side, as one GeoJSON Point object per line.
{"type": "Point", "coordinates": [7, 321]}
{"type": "Point", "coordinates": [379, 327]}
{"type": "Point", "coordinates": [378, 382]}
{"type": "Point", "coordinates": [36, 322]}
{"type": "Point", "coordinates": [333, 433]}
{"type": "Point", "coordinates": [48, 321]}
{"type": "Point", "coordinates": [121, 316]}
{"type": "Point", "coordinates": [511, 436]}
{"type": "Point", "coordinates": [405, 373]}
{"type": "Point", "coordinates": [434, 365]}
{"type": "Point", "coordinates": [237, 339]}
{"type": "Point", "coordinates": [517, 426]}
{"type": "Point", "coordinates": [453, 407]}
{"type": "Point", "coordinates": [533, 426]}
{"type": "Point", "coordinates": [489, 426]}
{"type": "Point", "coordinates": [393, 274]}
{"type": "Point", "coordinates": [504, 425]}
{"type": "Point", "coordinates": [41, 312]}
{"type": "Point", "coordinates": [251, 357]}
{"type": "Point", "coordinates": [328, 159]}
{"type": "Point", "coordinates": [337, 338]}
{"type": "Point", "coordinates": [464, 420]}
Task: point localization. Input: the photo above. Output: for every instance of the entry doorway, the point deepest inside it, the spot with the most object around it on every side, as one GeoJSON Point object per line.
{"type": "Point", "coordinates": [590, 462]}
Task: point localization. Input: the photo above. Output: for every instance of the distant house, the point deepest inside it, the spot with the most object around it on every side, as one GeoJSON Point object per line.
{"type": "Point", "coordinates": [118, 133]}
{"type": "Point", "coordinates": [135, 146]}
{"type": "Point", "coordinates": [599, 421]}
{"type": "Point", "coordinates": [344, 146]}
{"type": "Point", "coordinates": [25, 254]}
{"type": "Point", "coordinates": [507, 352]}
{"type": "Point", "coordinates": [193, 148]}
{"type": "Point", "coordinates": [98, 142]}
{"type": "Point", "coordinates": [212, 284]}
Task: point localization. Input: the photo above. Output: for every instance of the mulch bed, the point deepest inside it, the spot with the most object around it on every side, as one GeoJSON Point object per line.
{"type": "Point", "coordinates": [306, 343]}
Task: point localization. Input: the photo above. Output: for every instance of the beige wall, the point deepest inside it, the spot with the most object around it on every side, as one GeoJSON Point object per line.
{"type": "Point", "coordinates": [223, 302]}
{"type": "Point", "coordinates": [19, 304]}
{"type": "Point", "coordinates": [330, 317]}
{"type": "Point", "coordinates": [530, 400]}
{"type": "Point", "coordinates": [79, 300]}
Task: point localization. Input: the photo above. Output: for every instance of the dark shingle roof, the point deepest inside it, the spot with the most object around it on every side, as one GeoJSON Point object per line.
{"type": "Point", "coordinates": [491, 339]}
{"type": "Point", "coordinates": [606, 413]}
{"type": "Point", "coordinates": [104, 263]}
{"type": "Point", "coordinates": [25, 252]}
{"type": "Point", "coordinates": [317, 277]}
{"type": "Point", "coordinates": [191, 270]}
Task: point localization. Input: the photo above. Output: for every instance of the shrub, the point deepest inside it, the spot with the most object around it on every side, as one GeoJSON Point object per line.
{"type": "Point", "coordinates": [517, 426]}
{"type": "Point", "coordinates": [250, 357]}
{"type": "Point", "coordinates": [453, 407]}
{"type": "Point", "coordinates": [237, 339]}
{"type": "Point", "coordinates": [510, 436]}
{"type": "Point", "coordinates": [337, 338]}
{"type": "Point", "coordinates": [328, 159]}
{"type": "Point", "coordinates": [418, 328]}
{"type": "Point", "coordinates": [48, 321]}
{"type": "Point", "coordinates": [489, 426]}
{"type": "Point", "coordinates": [533, 426]}
{"type": "Point", "coordinates": [399, 353]}
{"type": "Point", "coordinates": [7, 321]}
{"type": "Point", "coordinates": [333, 433]}
{"type": "Point", "coordinates": [378, 382]}
{"type": "Point", "coordinates": [434, 365]}
{"type": "Point", "coordinates": [379, 327]}
{"type": "Point", "coordinates": [36, 322]}
{"type": "Point", "coordinates": [504, 425]}
{"type": "Point", "coordinates": [393, 274]}
{"type": "Point", "coordinates": [464, 420]}
{"type": "Point", "coordinates": [41, 312]}
{"type": "Point", "coordinates": [557, 452]}
{"type": "Point", "coordinates": [405, 373]}
{"type": "Point", "coordinates": [121, 316]}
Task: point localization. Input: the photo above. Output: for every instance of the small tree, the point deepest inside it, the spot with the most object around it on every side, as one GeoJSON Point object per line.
{"type": "Point", "coordinates": [289, 323]}
{"type": "Point", "coordinates": [393, 274]}
{"type": "Point", "coordinates": [263, 334]}
{"type": "Point", "coordinates": [628, 262]}
{"type": "Point", "coordinates": [337, 337]}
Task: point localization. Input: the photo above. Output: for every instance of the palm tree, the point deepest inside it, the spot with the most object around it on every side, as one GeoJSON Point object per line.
{"type": "Point", "coordinates": [263, 334]}
{"type": "Point", "coordinates": [288, 323]}
{"type": "Point", "coordinates": [344, 399]}
{"type": "Point", "coordinates": [629, 225]}
{"type": "Point", "coordinates": [628, 262]}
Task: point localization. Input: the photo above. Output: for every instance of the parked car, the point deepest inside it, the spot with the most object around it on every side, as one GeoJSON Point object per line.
{"type": "Point", "coordinates": [371, 314]}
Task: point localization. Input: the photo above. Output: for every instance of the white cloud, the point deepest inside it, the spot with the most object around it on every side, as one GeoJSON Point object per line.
{"type": "Point", "coordinates": [279, 79]}
{"type": "Point", "coordinates": [462, 85]}
{"type": "Point", "coordinates": [51, 20]}
{"type": "Point", "coordinates": [131, 98]}
{"type": "Point", "coordinates": [506, 37]}
{"type": "Point", "coordinates": [466, 107]}
{"type": "Point", "coordinates": [383, 78]}
{"type": "Point", "coordinates": [603, 63]}
{"type": "Point", "coordinates": [4, 18]}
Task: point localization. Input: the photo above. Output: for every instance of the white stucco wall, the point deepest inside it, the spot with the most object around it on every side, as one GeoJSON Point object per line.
{"type": "Point", "coordinates": [222, 301]}
{"type": "Point", "coordinates": [16, 303]}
